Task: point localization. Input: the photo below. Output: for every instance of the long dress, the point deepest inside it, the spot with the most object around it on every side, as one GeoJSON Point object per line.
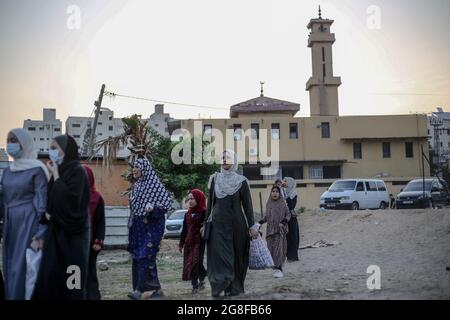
{"type": "Point", "coordinates": [277, 213]}
{"type": "Point", "coordinates": [144, 239]}
{"type": "Point", "coordinates": [67, 240]}
{"type": "Point", "coordinates": [194, 246]}
{"type": "Point", "coordinates": [229, 242]}
{"type": "Point", "coordinates": [293, 236]}
{"type": "Point", "coordinates": [97, 237]}
{"type": "Point", "coordinates": [25, 197]}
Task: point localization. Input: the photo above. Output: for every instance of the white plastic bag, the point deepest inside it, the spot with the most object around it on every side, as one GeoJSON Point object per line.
{"type": "Point", "coordinates": [33, 262]}
{"type": "Point", "coordinates": [260, 257]}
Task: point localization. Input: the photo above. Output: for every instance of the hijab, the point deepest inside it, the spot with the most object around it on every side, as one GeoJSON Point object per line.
{"type": "Point", "coordinates": [290, 190]}
{"type": "Point", "coordinates": [200, 198]}
{"type": "Point", "coordinates": [28, 158]}
{"type": "Point", "coordinates": [68, 144]}
{"type": "Point", "coordinates": [276, 209]}
{"type": "Point", "coordinates": [227, 182]}
{"type": "Point", "coordinates": [148, 189]}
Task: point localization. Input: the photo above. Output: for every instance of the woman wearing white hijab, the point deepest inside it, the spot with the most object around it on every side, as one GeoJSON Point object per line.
{"type": "Point", "coordinates": [230, 204]}
{"type": "Point", "coordinates": [24, 186]}
{"type": "Point", "coordinates": [293, 236]}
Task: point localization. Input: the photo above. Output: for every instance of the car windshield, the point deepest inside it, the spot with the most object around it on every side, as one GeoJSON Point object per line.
{"type": "Point", "coordinates": [340, 186]}
{"type": "Point", "coordinates": [177, 215]}
{"type": "Point", "coordinates": [417, 186]}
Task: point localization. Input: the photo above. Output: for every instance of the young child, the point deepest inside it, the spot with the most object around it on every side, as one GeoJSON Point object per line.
{"type": "Point", "coordinates": [277, 217]}
{"type": "Point", "coordinates": [192, 242]}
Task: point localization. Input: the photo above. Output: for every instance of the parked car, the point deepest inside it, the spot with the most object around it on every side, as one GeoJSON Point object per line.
{"type": "Point", "coordinates": [174, 224]}
{"type": "Point", "coordinates": [355, 194]}
{"type": "Point", "coordinates": [435, 194]}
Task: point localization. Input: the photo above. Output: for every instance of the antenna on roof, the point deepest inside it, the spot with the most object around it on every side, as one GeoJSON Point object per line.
{"type": "Point", "coordinates": [262, 88]}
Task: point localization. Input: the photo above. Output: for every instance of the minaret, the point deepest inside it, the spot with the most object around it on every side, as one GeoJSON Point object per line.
{"type": "Point", "coordinates": [322, 86]}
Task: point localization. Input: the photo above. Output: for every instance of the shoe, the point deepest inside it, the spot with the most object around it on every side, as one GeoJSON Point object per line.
{"type": "Point", "coordinates": [195, 291]}
{"type": "Point", "coordinates": [157, 294]}
{"type": "Point", "coordinates": [278, 274]}
{"type": "Point", "coordinates": [136, 295]}
{"type": "Point", "coordinates": [201, 285]}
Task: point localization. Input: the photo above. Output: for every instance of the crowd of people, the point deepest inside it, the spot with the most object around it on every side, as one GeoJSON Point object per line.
{"type": "Point", "coordinates": [54, 209]}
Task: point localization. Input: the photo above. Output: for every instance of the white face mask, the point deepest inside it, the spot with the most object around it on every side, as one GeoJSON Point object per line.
{"type": "Point", "coordinates": [55, 157]}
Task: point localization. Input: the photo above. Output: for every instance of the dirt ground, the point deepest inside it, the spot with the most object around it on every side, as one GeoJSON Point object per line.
{"type": "Point", "coordinates": [411, 248]}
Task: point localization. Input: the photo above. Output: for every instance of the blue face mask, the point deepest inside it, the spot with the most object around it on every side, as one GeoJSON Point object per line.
{"type": "Point", "coordinates": [55, 157]}
{"type": "Point", "coordinates": [14, 149]}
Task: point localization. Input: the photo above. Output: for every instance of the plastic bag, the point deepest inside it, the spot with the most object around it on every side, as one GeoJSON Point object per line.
{"type": "Point", "coordinates": [33, 262]}
{"type": "Point", "coordinates": [260, 257]}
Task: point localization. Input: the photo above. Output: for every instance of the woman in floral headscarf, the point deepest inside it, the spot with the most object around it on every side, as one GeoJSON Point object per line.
{"type": "Point", "coordinates": [149, 202]}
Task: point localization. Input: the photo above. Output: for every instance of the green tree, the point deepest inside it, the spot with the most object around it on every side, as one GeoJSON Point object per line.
{"type": "Point", "coordinates": [142, 140]}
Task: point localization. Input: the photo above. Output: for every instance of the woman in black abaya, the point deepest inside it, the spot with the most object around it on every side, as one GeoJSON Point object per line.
{"type": "Point", "coordinates": [63, 271]}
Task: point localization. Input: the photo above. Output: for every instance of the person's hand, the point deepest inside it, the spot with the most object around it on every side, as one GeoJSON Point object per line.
{"type": "Point", "coordinates": [97, 247]}
{"type": "Point", "coordinates": [254, 233]}
{"type": "Point", "coordinates": [53, 168]}
{"type": "Point", "coordinates": [180, 248]}
{"type": "Point", "coordinates": [37, 244]}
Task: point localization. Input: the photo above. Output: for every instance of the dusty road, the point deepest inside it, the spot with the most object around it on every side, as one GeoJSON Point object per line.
{"type": "Point", "coordinates": [411, 248]}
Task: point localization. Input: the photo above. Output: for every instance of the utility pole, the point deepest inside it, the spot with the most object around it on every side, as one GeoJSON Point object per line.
{"type": "Point", "coordinates": [98, 105]}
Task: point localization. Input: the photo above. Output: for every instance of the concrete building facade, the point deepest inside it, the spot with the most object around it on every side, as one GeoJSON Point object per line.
{"type": "Point", "coordinates": [319, 149]}
{"type": "Point", "coordinates": [43, 131]}
{"type": "Point", "coordinates": [439, 132]}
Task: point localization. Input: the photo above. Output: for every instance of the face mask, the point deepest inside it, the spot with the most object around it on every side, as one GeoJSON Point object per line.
{"type": "Point", "coordinates": [14, 149]}
{"type": "Point", "coordinates": [55, 157]}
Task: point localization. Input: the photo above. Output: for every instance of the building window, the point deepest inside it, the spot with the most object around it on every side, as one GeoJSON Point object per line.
{"type": "Point", "coordinates": [316, 172]}
{"type": "Point", "coordinates": [100, 123]}
{"type": "Point", "coordinates": [386, 149]}
{"type": "Point", "coordinates": [325, 130]}
{"type": "Point", "coordinates": [76, 136]}
{"type": "Point", "coordinates": [41, 129]}
{"type": "Point", "coordinates": [331, 172]}
{"type": "Point", "coordinates": [110, 118]}
{"type": "Point", "coordinates": [57, 129]}
{"type": "Point", "coordinates": [207, 130]}
{"type": "Point", "coordinates": [41, 139]}
{"type": "Point", "coordinates": [275, 131]}
{"type": "Point", "coordinates": [324, 70]}
{"type": "Point", "coordinates": [156, 125]}
{"type": "Point", "coordinates": [255, 131]}
{"type": "Point", "coordinates": [409, 150]}
{"type": "Point", "coordinates": [252, 172]}
{"type": "Point", "coordinates": [237, 132]}
{"type": "Point", "coordinates": [76, 125]}
{"type": "Point", "coordinates": [31, 129]}
{"type": "Point", "coordinates": [111, 128]}
{"type": "Point", "coordinates": [293, 171]}
{"type": "Point", "coordinates": [293, 131]}
{"type": "Point", "coordinates": [357, 150]}
{"type": "Point", "coordinates": [323, 54]}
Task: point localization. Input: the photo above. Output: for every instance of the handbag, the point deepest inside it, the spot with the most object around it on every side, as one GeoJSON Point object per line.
{"type": "Point", "coordinates": [33, 259]}
{"type": "Point", "coordinates": [259, 256]}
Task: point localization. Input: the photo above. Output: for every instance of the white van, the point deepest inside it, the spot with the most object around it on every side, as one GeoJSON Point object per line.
{"type": "Point", "coordinates": [355, 194]}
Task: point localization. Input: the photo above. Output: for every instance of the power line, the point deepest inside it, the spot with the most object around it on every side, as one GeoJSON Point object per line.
{"type": "Point", "coordinates": [112, 94]}
{"type": "Point", "coordinates": [409, 94]}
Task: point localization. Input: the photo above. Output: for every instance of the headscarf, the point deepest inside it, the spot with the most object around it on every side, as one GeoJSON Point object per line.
{"type": "Point", "coordinates": [227, 182]}
{"type": "Point", "coordinates": [148, 190]}
{"type": "Point", "coordinates": [276, 210]}
{"type": "Point", "coordinates": [28, 159]}
{"type": "Point", "coordinates": [95, 195]}
{"type": "Point", "coordinates": [200, 198]}
{"type": "Point", "coordinates": [290, 190]}
{"type": "Point", "coordinates": [68, 144]}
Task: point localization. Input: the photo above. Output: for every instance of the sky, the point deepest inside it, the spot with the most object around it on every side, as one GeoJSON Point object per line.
{"type": "Point", "coordinates": [214, 53]}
